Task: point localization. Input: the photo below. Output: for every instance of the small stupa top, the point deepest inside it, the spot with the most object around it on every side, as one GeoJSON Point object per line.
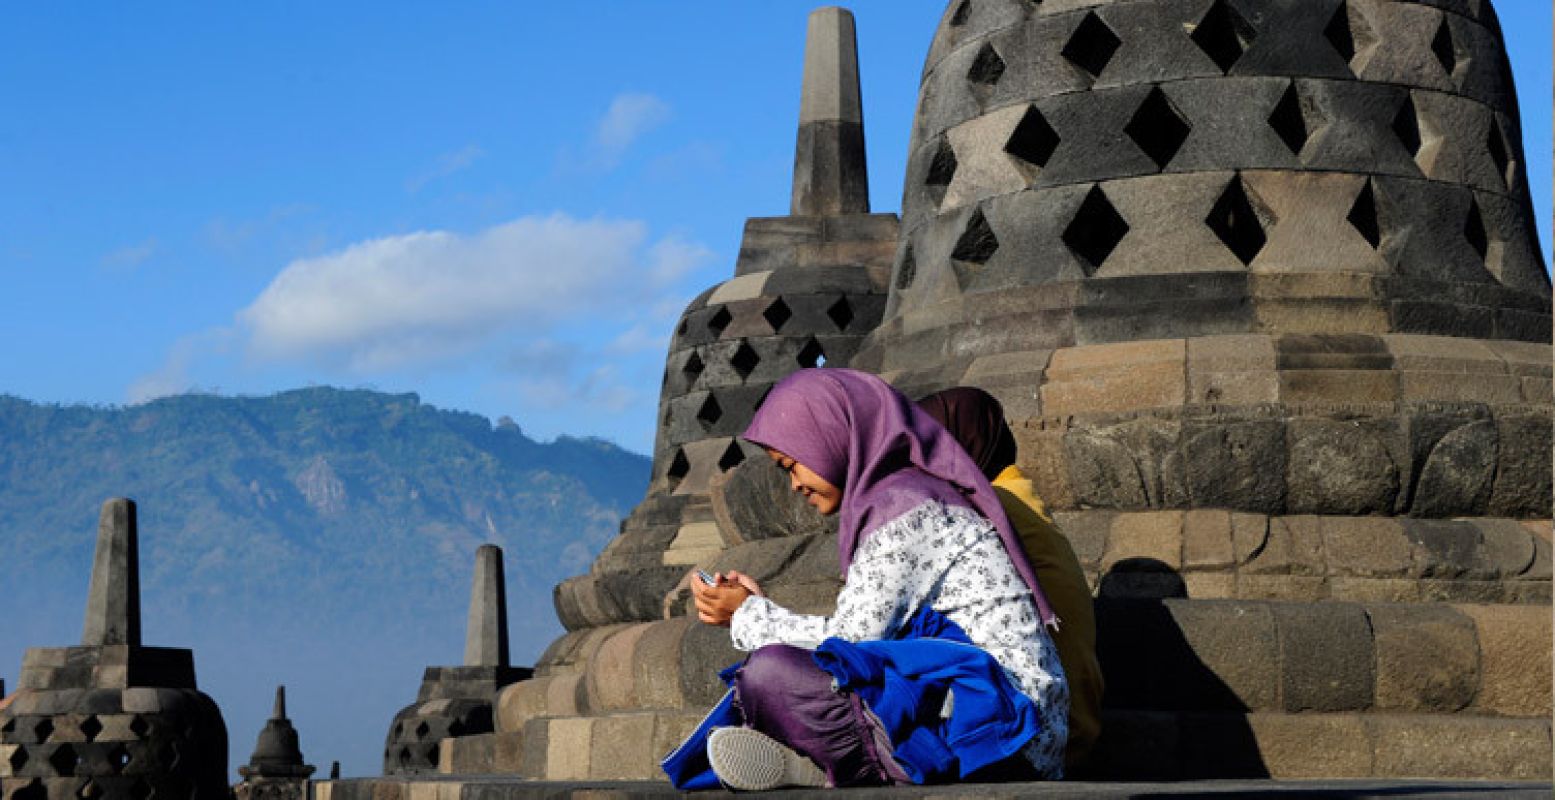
{"type": "Point", "coordinates": [277, 754]}
{"type": "Point", "coordinates": [113, 601]}
{"type": "Point", "coordinates": [486, 635]}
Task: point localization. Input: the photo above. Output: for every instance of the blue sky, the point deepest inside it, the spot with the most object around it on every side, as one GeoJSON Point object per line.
{"type": "Point", "coordinates": [501, 206]}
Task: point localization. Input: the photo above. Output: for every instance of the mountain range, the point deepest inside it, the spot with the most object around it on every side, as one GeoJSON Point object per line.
{"type": "Point", "coordinates": [322, 538]}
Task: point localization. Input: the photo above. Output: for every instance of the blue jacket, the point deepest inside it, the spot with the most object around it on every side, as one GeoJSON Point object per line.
{"type": "Point", "coordinates": [906, 682]}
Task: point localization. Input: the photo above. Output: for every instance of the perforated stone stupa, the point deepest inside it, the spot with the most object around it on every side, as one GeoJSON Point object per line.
{"type": "Point", "coordinates": [807, 288]}
{"type": "Point", "coordinates": [1257, 283]}
{"type": "Point", "coordinates": [456, 701]}
{"type": "Point", "coordinates": [111, 719]}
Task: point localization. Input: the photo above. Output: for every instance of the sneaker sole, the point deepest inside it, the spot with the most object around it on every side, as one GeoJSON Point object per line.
{"type": "Point", "coordinates": [751, 761]}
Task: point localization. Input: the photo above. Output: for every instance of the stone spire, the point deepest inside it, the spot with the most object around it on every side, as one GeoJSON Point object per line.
{"type": "Point", "coordinates": [486, 638]}
{"type": "Point", "coordinates": [277, 754]}
{"type": "Point", "coordinates": [113, 602]}
{"type": "Point", "coordinates": [830, 175]}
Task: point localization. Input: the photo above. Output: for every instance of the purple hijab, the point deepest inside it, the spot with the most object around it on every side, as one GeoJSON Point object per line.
{"type": "Point", "coordinates": [884, 453]}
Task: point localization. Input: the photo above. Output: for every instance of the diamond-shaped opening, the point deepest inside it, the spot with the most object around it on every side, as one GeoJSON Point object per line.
{"type": "Point", "coordinates": [43, 729]}
{"type": "Point", "coordinates": [118, 758]}
{"type": "Point", "coordinates": [1289, 120]}
{"type": "Point", "coordinates": [1095, 231]}
{"type": "Point", "coordinates": [90, 727]}
{"type": "Point", "coordinates": [1092, 45]}
{"type": "Point", "coordinates": [1032, 142]}
{"type": "Point", "coordinates": [841, 313]}
{"type": "Point", "coordinates": [811, 355]}
{"type": "Point", "coordinates": [684, 323]}
{"type": "Point", "coordinates": [963, 12]}
{"type": "Point", "coordinates": [1237, 222]}
{"type": "Point", "coordinates": [907, 270]}
{"type": "Point", "coordinates": [720, 320]}
{"type": "Point", "coordinates": [777, 315]}
{"type": "Point", "coordinates": [8, 725]}
{"type": "Point", "coordinates": [1363, 216]}
{"type": "Point", "coordinates": [977, 243]}
{"type": "Point", "coordinates": [1474, 230]}
{"type": "Point", "coordinates": [744, 360]}
{"type": "Point", "coordinates": [139, 726]}
{"type": "Point", "coordinates": [18, 759]}
{"type": "Point", "coordinates": [1406, 126]}
{"type": "Point", "coordinates": [89, 791]}
{"type": "Point", "coordinates": [1158, 128]}
{"type": "Point", "coordinates": [422, 729]}
{"type": "Point", "coordinates": [1338, 33]}
{"type": "Point", "coordinates": [141, 790]}
{"type": "Point", "coordinates": [733, 457]}
{"type": "Point", "coordinates": [987, 68]}
{"type": "Point", "coordinates": [1223, 34]}
{"type": "Point", "coordinates": [1495, 143]}
{"type": "Point", "coordinates": [710, 412]}
{"type": "Point", "coordinates": [693, 367]}
{"type": "Point", "coordinates": [456, 728]}
{"type": "Point", "coordinates": [680, 467]}
{"type": "Point", "coordinates": [64, 761]}
{"type": "Point", "coordinates": [1443, 48]}
{"type": "Point", "coordinates": [404, 758]}
{"type": "Point", "coordinates": [34, 790]}
{"type": "Point", "coordinates": [942, 170]}
{"type": "Point", "coordinates": [434, 754]}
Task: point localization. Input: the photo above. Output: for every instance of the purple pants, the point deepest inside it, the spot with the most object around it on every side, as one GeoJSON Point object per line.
{"type": "Point", "coordinates": [786, 696]}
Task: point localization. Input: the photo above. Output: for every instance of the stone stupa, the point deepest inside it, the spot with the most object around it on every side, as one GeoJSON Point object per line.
{"type": "Point", "coordinates": [111, 719]}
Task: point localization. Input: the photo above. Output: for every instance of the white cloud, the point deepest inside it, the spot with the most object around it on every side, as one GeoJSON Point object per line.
{"type": "Point", "coordinates": [629, 117]}
{"type": "Point", "coordinates": [445, 165]}
{"type": "Point", "coordinates": [430, 296]}
{"type": "Point", "coordinates": [131, 256]}
{"type": "Point", "coordinates": [599, 389]}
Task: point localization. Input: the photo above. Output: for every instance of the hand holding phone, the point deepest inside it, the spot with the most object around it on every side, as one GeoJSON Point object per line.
{"type": "Point", "coordinates": [706, 577]}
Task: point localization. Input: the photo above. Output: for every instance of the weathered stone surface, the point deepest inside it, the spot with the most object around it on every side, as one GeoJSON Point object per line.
{"type": "Point", "coordinates": [1428, 658]}
{"type": "Point", "coordinates": [113, 601]}
{"type": "Point", "coordinates": [1339, 467]}
{"type": "Point", "coordinates": [1453, 747]}
{"type": "Point", "coordinates": [1371, 547]}
{"type": "Point", "coordinates": [1327, 658]}
{"type": "Point", "coordinates": [486, 632]}
{"type": "Point", "coordinates": [1515, 645]}
{"type": "Point", "coordinates": [1236, 465]}
{"type": "Point", "coordinates": [1457, 475]}
{"type": "Point", "coordinates": [754, 501]}
{"type": "Point", "coordinates": [1313, 745]}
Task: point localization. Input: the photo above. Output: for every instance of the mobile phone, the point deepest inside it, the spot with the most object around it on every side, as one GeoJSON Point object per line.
{"type": "Point", "coordinates": [706, 577]}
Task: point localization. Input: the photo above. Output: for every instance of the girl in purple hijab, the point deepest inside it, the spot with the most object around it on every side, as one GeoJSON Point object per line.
{"type": "Point", "coordinates": [926, 550]}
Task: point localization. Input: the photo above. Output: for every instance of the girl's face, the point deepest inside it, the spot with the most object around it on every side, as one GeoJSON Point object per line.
{"type": "Point", "coordinates": [817, 491]}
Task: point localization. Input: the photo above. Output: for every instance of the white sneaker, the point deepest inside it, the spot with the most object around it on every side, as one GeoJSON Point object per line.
{"type": "Point", "coordinates": [753, 761]}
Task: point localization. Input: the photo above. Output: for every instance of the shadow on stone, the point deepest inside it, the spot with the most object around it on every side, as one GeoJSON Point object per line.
{"type": "Point", "coordinates": [1166, 714]}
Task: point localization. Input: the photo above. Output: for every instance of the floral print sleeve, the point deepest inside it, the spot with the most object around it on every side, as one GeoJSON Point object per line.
{"type": "Point", "coordinates": [892, 574]}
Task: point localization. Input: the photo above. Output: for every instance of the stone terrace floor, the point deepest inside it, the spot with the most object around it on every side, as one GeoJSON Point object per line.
{"type": "Point", "coordinates": [505, 788]}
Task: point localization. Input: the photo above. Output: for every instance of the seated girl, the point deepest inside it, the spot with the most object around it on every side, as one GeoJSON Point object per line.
{"type": "Point", "coordinates": [936, 664]}
{"type": "Point", "coordinates": [976, 420]}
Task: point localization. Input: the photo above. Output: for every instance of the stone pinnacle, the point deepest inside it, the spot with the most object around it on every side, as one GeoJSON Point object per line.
{"type": "Point", "coordinates": [830, 173]}
{"type": "Point", "coordinates": [486, 638]}
{"type": "Point", "coordinates": [280, 703]}
{"type": "Point", "coordinates": [113, 602]}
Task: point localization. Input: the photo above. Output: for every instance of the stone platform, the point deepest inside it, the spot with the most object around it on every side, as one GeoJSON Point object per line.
{"type": "Point", "coordinates": [499, 788]}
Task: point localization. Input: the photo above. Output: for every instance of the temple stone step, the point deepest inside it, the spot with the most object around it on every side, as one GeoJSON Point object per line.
{"type": "Point", "coordinates": [1135, 745]}
{"type": "Point", "coordinates": [1215, 656]}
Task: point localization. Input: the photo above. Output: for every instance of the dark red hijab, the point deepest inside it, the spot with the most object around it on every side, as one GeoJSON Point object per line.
{"type": "Point", "coordinates": [976, 420]}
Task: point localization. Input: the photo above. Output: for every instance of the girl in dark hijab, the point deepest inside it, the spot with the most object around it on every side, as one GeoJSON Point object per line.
{"type": "Point", "coordinates": [976, 420]}
{"type": "Point", "coordinates": [931, 565]}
